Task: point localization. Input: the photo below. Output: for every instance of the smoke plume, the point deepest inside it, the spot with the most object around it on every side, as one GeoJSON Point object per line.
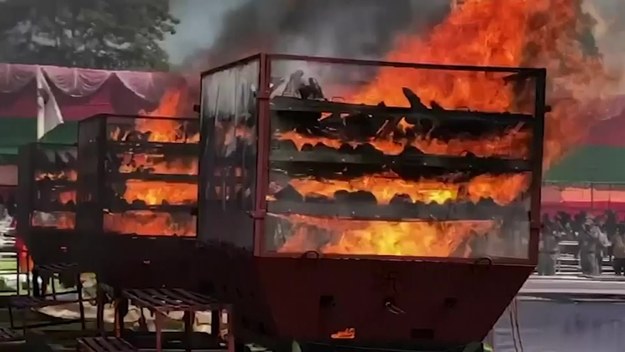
{"type": "Point", "coordinates": [609, 33]}
{"type": "Point", "coordinates": [363, 29]}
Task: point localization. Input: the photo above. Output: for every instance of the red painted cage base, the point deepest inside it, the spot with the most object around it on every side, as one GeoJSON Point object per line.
{"type": "Point", "coordinates": [401, 301]}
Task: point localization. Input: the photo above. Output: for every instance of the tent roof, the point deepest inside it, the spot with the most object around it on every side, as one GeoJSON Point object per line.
{"type": "Point", "coordinates": [65, 133]}
{"type": "Point", "coordinates": [15, 132]}
{"type": "Point", "coordinates": [598, 164]}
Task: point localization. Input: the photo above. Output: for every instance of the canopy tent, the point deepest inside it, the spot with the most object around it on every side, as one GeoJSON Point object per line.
{"type": "Point", "coordinates": [591, 164]}
{"type": "Point", "coordinates": [592, 178]}
{"type": "Point", "coordinates": [81, 92]}
{"type": "Point", "coordinates": [76, 94]}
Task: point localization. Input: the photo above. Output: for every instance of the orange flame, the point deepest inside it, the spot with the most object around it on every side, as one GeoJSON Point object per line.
{"type": "Point", "coordinates": [155, 193]}
{"type": "Point", "coordinates": [539, 33]}
{"type": "Point", "coordinates": [148, 223]}
{"type": "Point", "coordinates": [160, 192]}
{"type": "Point", "coordinates": [384, 187]}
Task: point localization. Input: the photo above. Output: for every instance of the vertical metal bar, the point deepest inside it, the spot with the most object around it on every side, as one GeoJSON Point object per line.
{"type": "Point", "coordinates": [537, 159]}
{"type": "Point", "coordinates": [28, 273]}
{"type": "Point", "coordinates": [18, 254]}
{"type": "Point", "coordinates": [262, 158]}
{"type": "Point", "coordinates": [81, 303]}
{"type": "Point", "coordinates": [11, 318]}
{"type": "Point", "coordinates": [99, 309]}
{"type": "Point", "coordinates": [215, 322]}
{"type": "Point", "coordinates": [199, 229]}
{"type": "Point", "coordinates": [53, 286]}
{"type": "Point", "coordinates": [159, 331]}
{"type": "Point", "coordinates": [231, 339]}
{"type": "Point", "coordinates": [189, 317]}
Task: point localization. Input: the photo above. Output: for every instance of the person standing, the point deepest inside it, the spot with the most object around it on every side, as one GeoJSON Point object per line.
{"type": "Point", "coordinates": [548, 252]}
{"type": "Point", "coordinates": [618, 251]}
{"type": "Point", "coordinates": [588, 239]}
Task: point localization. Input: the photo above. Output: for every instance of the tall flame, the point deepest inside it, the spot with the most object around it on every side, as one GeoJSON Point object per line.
{"type": "Point", "coordinates": [534, 33]}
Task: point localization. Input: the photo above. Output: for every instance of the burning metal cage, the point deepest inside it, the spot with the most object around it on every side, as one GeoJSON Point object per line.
{"type": "Point", "coordinates": [137, 182]}
{"type": "Point", "coordinates": [46, 204]}
{"type": "Point", "coordinates": [302, 152]}
{"type": "Point", "coordinates": [411, 168]}
{"type": "Point", "coordinates": [137, 175]}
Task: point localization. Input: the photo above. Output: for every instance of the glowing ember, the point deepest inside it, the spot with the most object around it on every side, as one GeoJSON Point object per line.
{"type": "Point", "coordinates": [539, 33]}
{"type": "Point", "coordinates": [148, 223]}
{"type": "Point", "coordinates": [500, 189]}
{"type": "Point", "coordinates": [512, 145]}
{"type": "Point", "coordinates": [151, 192]}
{"type": "Point", "coordinates": [66, 197]}
{"type": "Point", "coordinates": [432, 239]}
{"type": "Point", "coordinates": [160, 192]}
{"type": "Point", "coordinates": [158, 164]}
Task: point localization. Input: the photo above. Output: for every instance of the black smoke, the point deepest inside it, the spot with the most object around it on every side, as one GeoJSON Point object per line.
{"type": "Point", "coordinates": [362, 29]}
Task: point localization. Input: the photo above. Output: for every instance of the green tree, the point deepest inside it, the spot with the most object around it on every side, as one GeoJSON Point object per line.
{"type": "Point", "coordinates": [108, 34]}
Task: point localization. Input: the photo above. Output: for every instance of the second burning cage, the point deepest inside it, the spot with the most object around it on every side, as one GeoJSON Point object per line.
{"type": "Point", "coordinates": [46, 212]}
{"type": "Point", "coordinates": [137, 181]}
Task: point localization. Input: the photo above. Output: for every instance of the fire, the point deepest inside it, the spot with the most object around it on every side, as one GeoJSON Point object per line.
{"type": "Point", "coordinates": [432, 239]}
{"type": "Point", "coordinates": [153, 192]}
{"type": "Point", "coordinates": [512, 145]}
{"type": "Point", "coordinates": [25, 261]}
{"type": "Point", "coordinates": [169, 104]}
{"type": "Point", "coordinates": [148, 223]}
{"type": "Point", "coordinates": [386, 186]}
{"type": "Point", "coordinates": [66, 197]}
{"type": "Point", "coordinates": [160, 192]}
{"type": "Point", "coordinates": [538, 33]}
{"type": "Point", "coordinates": [157, 164]}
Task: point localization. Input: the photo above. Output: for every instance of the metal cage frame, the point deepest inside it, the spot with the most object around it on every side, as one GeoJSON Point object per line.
{"type": "Point", "coordinates": [263, 143]}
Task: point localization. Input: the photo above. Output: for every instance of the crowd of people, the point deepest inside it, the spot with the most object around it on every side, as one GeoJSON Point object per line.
{"type": "Point", "coordinates": [598, 238]}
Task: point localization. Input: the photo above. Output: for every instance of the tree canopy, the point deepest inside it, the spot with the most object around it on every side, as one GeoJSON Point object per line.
{"type": "Point", "coordinates": [107, 34]}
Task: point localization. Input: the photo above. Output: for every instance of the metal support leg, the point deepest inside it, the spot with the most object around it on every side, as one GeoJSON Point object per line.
{"type": "Point", "coordinates": [36, 288]}
{"type": "Point", "coordinates": [53, 286]}
{"type": "Point", "coordinates": [28, 274]}
{"type": "Point", "coordinates": [230, 337]}
{"type": "Point", "coordinates": [100, 301]}
{"type": "Point", "coordinates": [81, 303]}
{"type": "Point", "coordinates": [215, 323]}
{"type": "Point", "coordinates": [158, 319]}
{"type": "Point", "coordinates": [11, 319]}
{"type": "Point", "coordinates": [189, 318]}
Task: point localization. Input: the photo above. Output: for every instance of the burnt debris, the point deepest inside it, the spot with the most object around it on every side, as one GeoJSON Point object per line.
{"type": "Point", "coordinates": [314, 138]}
{"type": "Point", "coordinates": [148, 168]}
